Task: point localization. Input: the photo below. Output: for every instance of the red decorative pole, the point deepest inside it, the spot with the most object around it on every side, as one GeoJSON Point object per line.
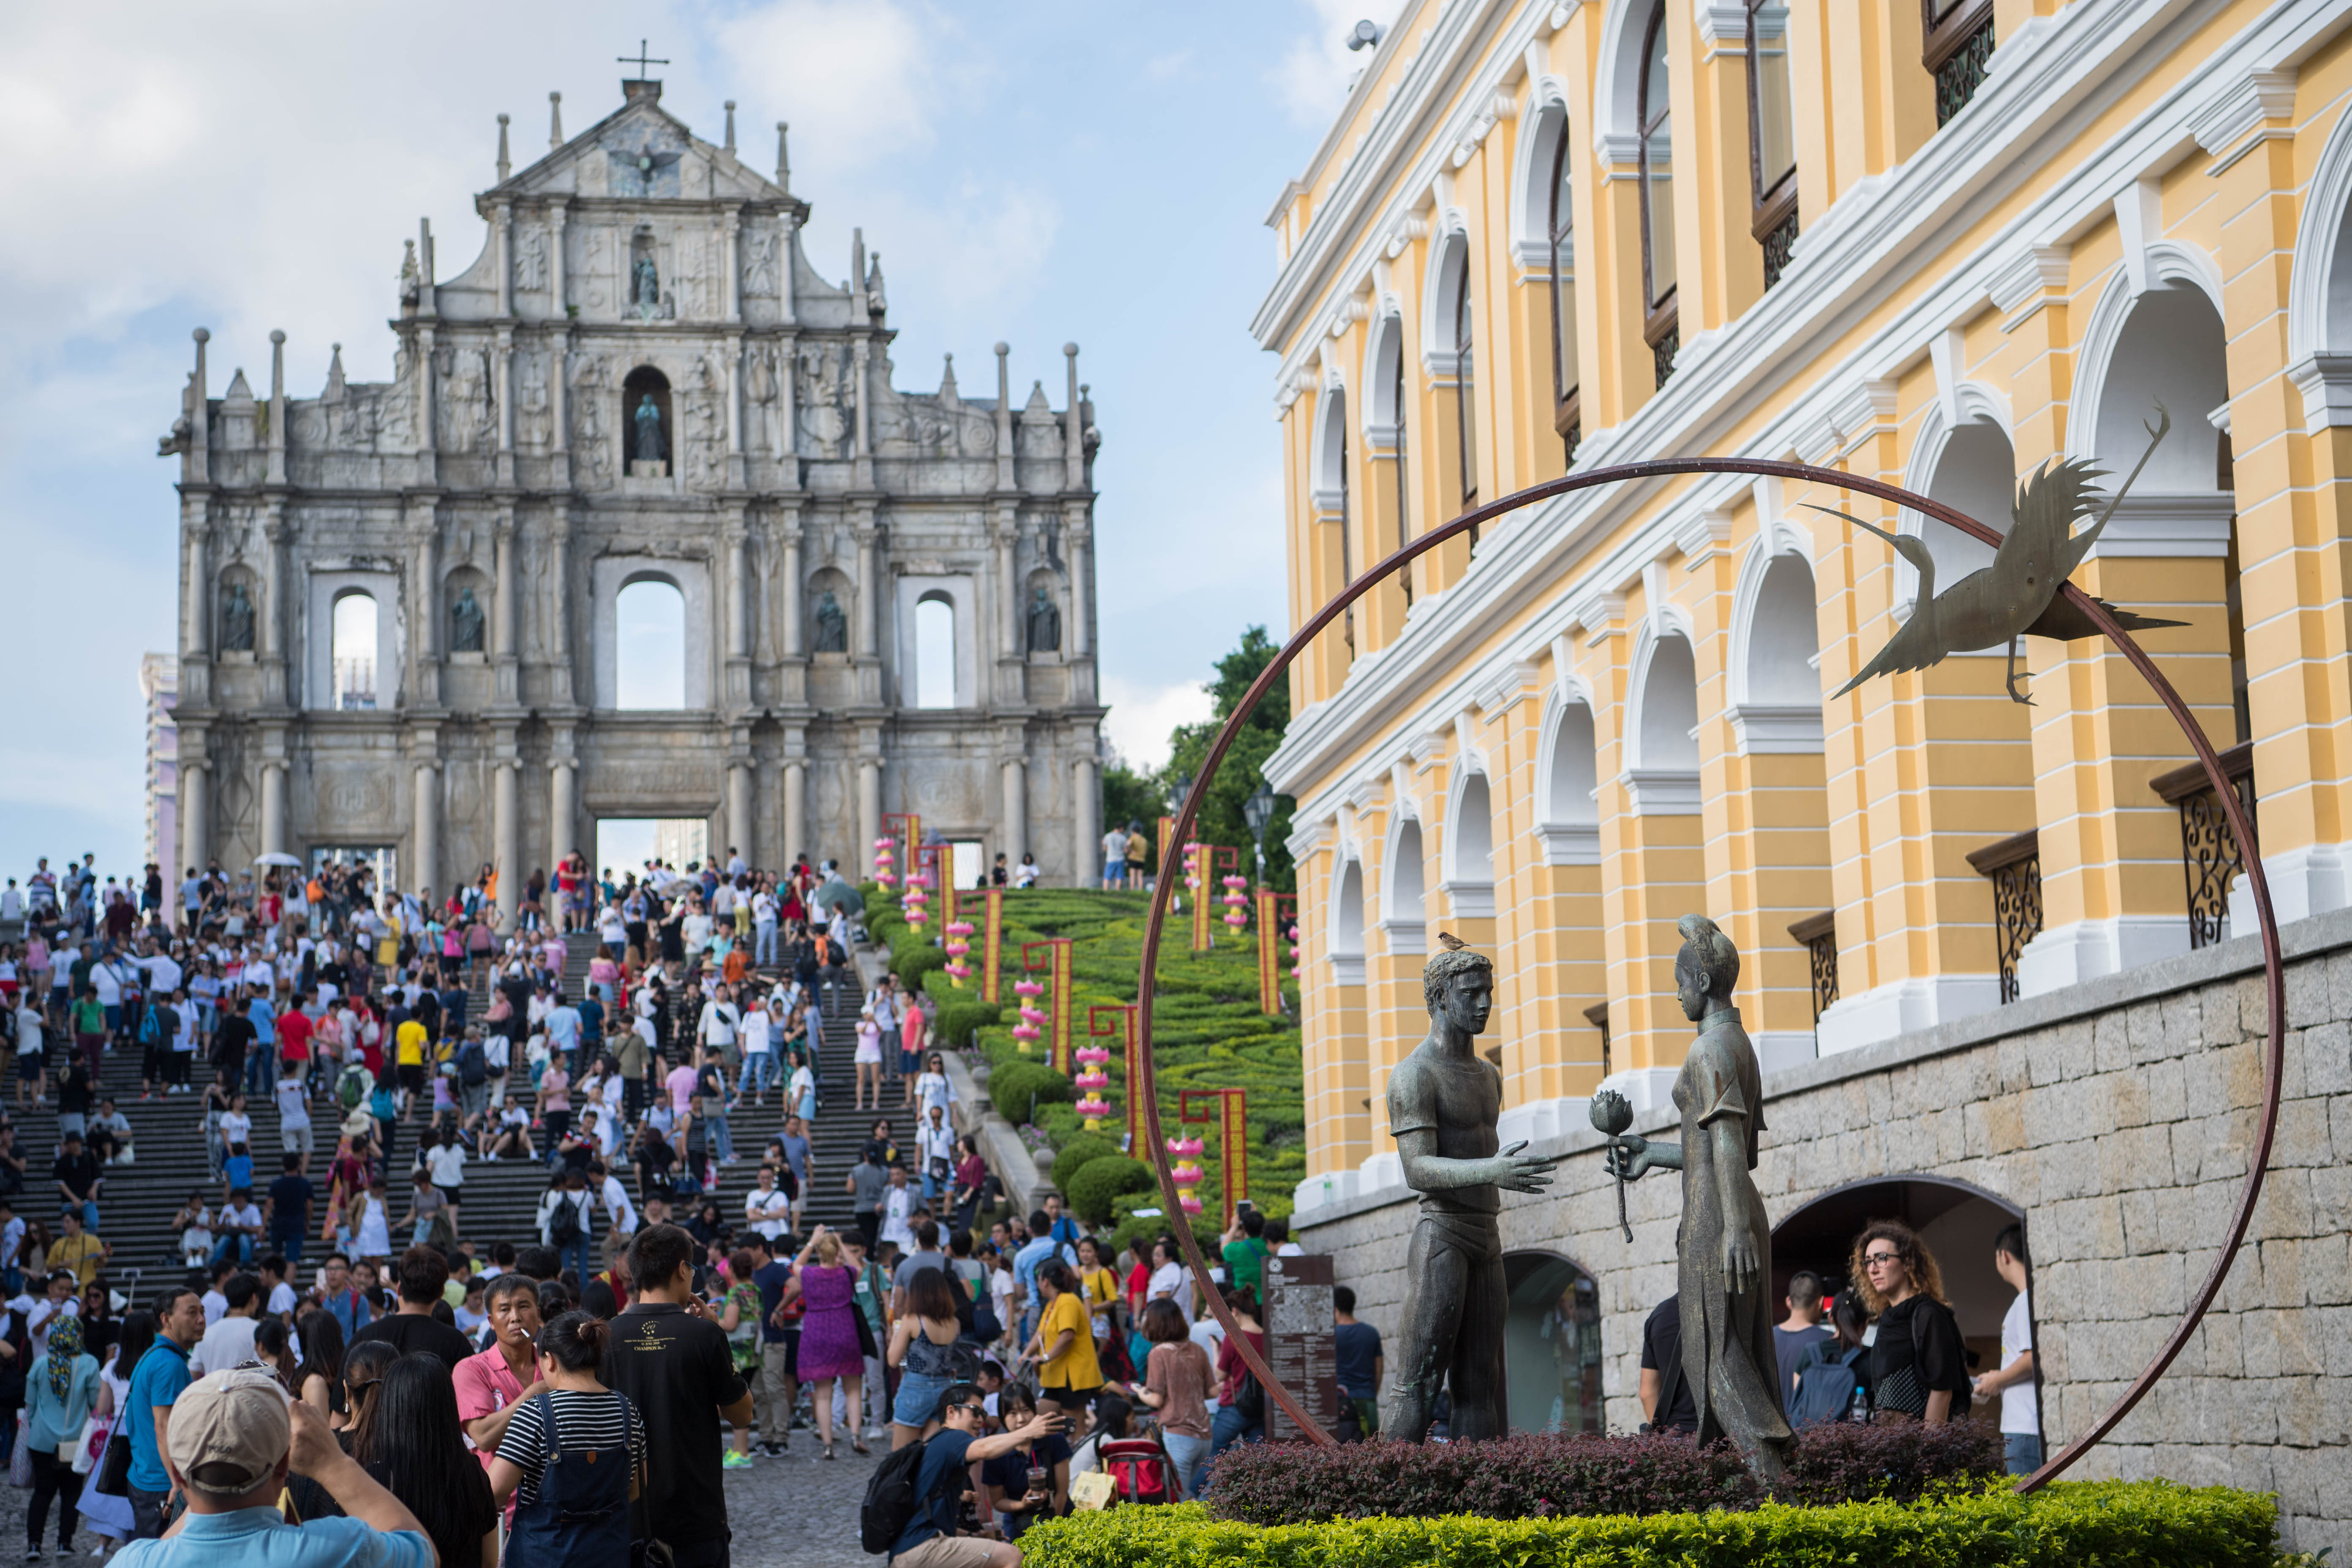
{"type": "Point", "coordinates": [1273, 929]}
{"type": "Point", "coordinates": [1052, 954]}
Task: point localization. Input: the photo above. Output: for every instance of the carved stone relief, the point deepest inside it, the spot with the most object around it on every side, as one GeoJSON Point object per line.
{"type": "Point", "coordinates": [531, 260]}
{"type": "Point", "coordinates": [764, 389]}
{"type": "Point", "coordinates": [534, 405]}
{"type": "Point", "coordinates": [465, 404]}
{"type": "Point", "coordinates": [827, 412]}
{"type": "Point", "coordinates": [759, 264]}
{"type": "Point", "coordinates": [705, 427]}
{"type": "Point", "coordinates": [591, 379]}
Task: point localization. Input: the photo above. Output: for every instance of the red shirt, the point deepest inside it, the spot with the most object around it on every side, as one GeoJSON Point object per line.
{"type": "Point", "coordinates": [294, 1036]}
{"type": "Point", "coordinates": [485, 1386]}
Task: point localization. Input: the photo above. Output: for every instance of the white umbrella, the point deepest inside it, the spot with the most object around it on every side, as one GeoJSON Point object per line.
{"type": "Point", "coordinates": [278, 860]}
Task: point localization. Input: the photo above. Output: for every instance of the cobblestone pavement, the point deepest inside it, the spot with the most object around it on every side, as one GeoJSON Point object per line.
{"type": "Point", "coordinates": [798, 1512]}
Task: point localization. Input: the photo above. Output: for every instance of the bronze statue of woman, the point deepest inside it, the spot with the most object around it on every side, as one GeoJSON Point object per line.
{"type": "Point", "coordinates": [1724, 1249]}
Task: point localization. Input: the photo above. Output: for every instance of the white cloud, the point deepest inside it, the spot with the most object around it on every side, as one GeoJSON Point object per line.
{"type": "Point", "coordinates": [1311, 78]}
{"type": "Point", "coordinates": [1141, 716]}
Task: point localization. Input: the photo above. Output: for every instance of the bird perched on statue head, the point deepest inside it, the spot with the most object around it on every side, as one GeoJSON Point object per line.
{"type": "Point", "coordinates": [1451, 942]}
{"type": "Point", "coordinates": [2018, 594]}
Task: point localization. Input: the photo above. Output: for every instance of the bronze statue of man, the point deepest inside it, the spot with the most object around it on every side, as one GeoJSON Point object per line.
{"type": "Point", "coordinates": [1444, 1099]}
{"type": "Point", "coordinates": [1724, 1249]}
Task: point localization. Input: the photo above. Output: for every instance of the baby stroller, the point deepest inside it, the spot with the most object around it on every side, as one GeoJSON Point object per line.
{"type": "Point", "coordinates": [1141, 1470]}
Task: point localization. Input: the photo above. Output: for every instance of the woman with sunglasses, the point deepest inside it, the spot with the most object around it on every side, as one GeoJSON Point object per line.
{"type": "Point", "coordinates": [1918, 1367]}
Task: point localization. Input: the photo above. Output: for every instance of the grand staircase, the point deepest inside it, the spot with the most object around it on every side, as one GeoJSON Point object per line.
{"type": "Point", "coordinates": [501, 1197]}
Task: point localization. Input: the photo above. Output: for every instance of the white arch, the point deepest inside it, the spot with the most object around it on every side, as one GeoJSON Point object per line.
{"type": "Point", "coordinates": [1661, 702]}
{"type": "Point", "coordinates": [1346, 939]}
{"type": "Point", "coordinates": [1403, 886]}
{"type": "Point", "coordinates": [1617, 80]}
{"type": "Point", "coordinates": [354, 633]}
{"type": "Point", "coordinates": [1771, 642]}
{"type": "Point", "coordinates": [1383, 346]}
{"type": "Point", "coordinates": [1466, 858]}
{"type": "Point", "coordinates": [611, 574]}
{"type": "Point", "coordinates": [649, 623]}
{"type": "Point", "coordinates": [2319, 290]}
{"type": "Point", "coordinates": [1547, 113]}
{"type": "Point", "coordinates": [2169, 262]}
{"type": "Point", "coordinates": [1449, 274]}
{"type": "Point", "coordinates": [1971, 465]}
{"type": "Point", "coordinates": [1567, 779]}
{"type": "Point", "coordinates": [1330, 445]}
{"type": "Point", "coordinates": [935, 673]}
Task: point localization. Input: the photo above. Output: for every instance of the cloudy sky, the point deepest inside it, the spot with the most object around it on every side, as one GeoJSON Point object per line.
{"type": "Point", "coordinates": [1036, 173]}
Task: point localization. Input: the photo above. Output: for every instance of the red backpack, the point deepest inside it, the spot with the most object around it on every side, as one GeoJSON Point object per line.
{"type": "Point", "coordinates": [1141, 1470]}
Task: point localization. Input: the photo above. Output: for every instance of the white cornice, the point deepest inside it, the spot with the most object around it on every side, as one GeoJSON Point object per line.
{"type": "Point", "coordinates": [2066, 77]}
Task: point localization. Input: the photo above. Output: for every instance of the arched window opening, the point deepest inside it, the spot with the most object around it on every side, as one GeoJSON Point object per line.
{"type": "Point", "coordinates": [1403, 485]}
{"type": "Point", "coordinates": [1551, 1346]}
{"type": "Point", "coordinates": [354, 646]}
{"type": "Point", "coordinates": [1976, 472]}
{"type": "Point", "coordinates": [935, 652]}
{"type": "Point", "coordinates": [1405, 878]}
{"type": "Point", "coordinates": [1561, 229]}
{"type": "Point", "coordinates": [1466, 381]}
{"type": "Point", "coordinates": [1670, 708]}
{"type": "Point", "coordinates": [1771, 135]}
{"type": "Point", "coordinates": [1348, 917]}
{"type": "Point", "coordinates": [1473, 833]}
{"type": "Point", "coordinates": [1651, 116]}
{"type": "Point", "coordinates": [1574, 778]}
{"type": "Point", "coordinates": [1783, 636]}
{"type": "Point", "coordinates": [1334, 485]}
{"type": "Point", "coordinates": [649, 652]}
{"type": "Point", "coordinates": [645, 423]}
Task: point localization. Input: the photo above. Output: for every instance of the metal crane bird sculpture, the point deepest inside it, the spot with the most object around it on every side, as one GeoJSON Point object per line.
{"type": "Point", "coordinates": [2017, 595]}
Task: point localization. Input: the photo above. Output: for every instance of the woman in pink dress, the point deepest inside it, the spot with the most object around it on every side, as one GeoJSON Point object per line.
{"type": "Point", "coordinates": [829, 1344]}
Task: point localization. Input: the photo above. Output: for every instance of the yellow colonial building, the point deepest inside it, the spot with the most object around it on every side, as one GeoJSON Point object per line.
{"type": "Point", "coordinates": [1934, 242]}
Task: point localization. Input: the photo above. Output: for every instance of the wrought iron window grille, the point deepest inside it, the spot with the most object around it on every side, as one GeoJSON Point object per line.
{"type": "Point", "coordinates": [1817, 933]}
{"type": "Point", "coordinates": [1777, 246]}
{"type": "Point", "coordinates": [2210, 856]}
{"type": "Point", "coordinates": [1956, 47]}
{"type": "Point", "coordinates": [2015, 866]}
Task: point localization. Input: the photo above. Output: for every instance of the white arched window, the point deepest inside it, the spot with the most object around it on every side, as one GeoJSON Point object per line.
{"type": "Point", "coordinates": [649, 668]}
{"type": "Point", "coordinates": [1559, 230]}
{"type": "Point", "coordinates": [354, 650]}
{"type": "Point", "coordinates": [1469, 883]}
{"type": "Point", "coordinates": [1772, 136]}
{"type": "Point", "coordinates": [1664, 778]}
{"type": "Point", "coordinates": [1571, 825]}
{"type": "Point", "coordinates": [1347, 951]}
{"type": "Point", "coordinates": [1975, 472]}
{"type": "Point", "coordinates": [1389, 409]}
{"type": "Point", "coordinates": [1403, 902]}
{"type": "Point", "coordinates": [1778, 702]}
{"type": "Point", "coordinates": [1466, 374]}
{"type": "Point", "coordinates": [935, 651]}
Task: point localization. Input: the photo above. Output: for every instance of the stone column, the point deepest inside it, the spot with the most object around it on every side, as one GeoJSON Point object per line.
{"type": "Point", "coordinates": [195, 814]}
{"type": "Point", "coordinates": [506, 849]}
{"type": "Point", "coordinates": [275, 469]}
{"type": "Point", "coordinates": [562, 811]}
{"type": "Point", "coordinates": [796, 825]}
{"type": "Point", "coordinates": [196, 638]}
{"type": "Point", "coordinates": [273, 808]}
{"type": "Point", "coordinates": [503, 388]}
{"type": "Point", "coordinates": [738, 602]}
{"type": "Point", "coordinates": [426, 603]}
{"type": "Point", "coordinates": [559, 630]}
{"type": "Point", "coordinates": [739, 806]}
{"type": "Point", "coordinates": [1007, 534]}
{"type": "Point", "coordinates": [861, 355]}
{"type": "Point", "coordinates": [504, 645]}
{"type": "Point", "coordinates": [1083, 828]}
{"type": "Point", "coordinates": [1075, 537]}
{"type": "Point", "coordinates": [787, 525]}
{"type": "Point", "coordinates": [556, 281]}
{"type": "Point", "coordinates": [731, 264]}
{"type": "Point", "coordinates": [427, 836]}
{"type": "Point", "coordinates": [870, 812]}
{"type": "Point", "coordinates": [868, 589]}
{"type": "Point", "coordinates": [1016, 838]}
{"type": "Point", "coordinates": [502, 237]}
{"type": "Point", "coordinates": [273, 606]}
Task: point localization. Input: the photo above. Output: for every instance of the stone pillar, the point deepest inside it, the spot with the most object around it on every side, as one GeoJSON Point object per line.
{"type": "Point", "coordinates": [426, 599]}
{"type": "Point", "coordinates": [870, 812]}
{"type": "Point", "coordinates": [1010, 607]}
{"type": "Point", "coordinates": [739, 806]}
{"type": "Point", "coordinates": [195, 814]}
{"type": "Point", "coordinates": [788, 525]}
{"type": "Point", "coordinates": [556, 281]}
{"type": "Point", "coordinates": [732, 250]}
{"type": "Point", "coordinates": [276, 471]}
{"type": "Point", "coordinates": [506, 849]}
{"type": "Point", "coordinates": [272, 641]}
{"type": "Point", "coordinates": [739, 589]}
{"type": "Point", "coordinates": [273, 808]}
{"type": "Point", "coordinates": [1084, 827]}
{"type": "Point", "coordinates": [562, 811]}
{"type": "Point", "coordinates": [502, 237]}
{"type": "Point", "coordinates": [1015, 837]}
{"type": "Point", "coordinates": [195, 635]}
{"type": "Point", "coordinates": [1074, 444]}
{"type": "Point", "coordinates": [796, 825]}
{"type": "Point", "coordinates": [504, 645]}
{"type": "Point", "coordinates": [861, 354]}
{"type": "Point", "coordinates": [1078, 636]}
{"type": "Point", "coordinates": [869, 588]}
{"type": "Point", "coordinates": [425, 847]}
{"type": "Point", "coordinates": [559, 630]}
{"type": "Point", "coordinates": [503, 388]}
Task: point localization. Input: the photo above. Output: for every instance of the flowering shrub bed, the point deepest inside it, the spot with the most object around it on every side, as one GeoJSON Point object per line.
{"type": "Point", "coordinates": [2110, 1524]}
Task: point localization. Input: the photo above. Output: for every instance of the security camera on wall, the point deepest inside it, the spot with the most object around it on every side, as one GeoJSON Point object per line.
{"type": "Point", "coordinates": [1366, 35]}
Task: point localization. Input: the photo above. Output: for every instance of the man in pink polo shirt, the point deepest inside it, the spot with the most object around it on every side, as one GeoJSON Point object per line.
{"type": "Point", "coordinates": [490, 1385]}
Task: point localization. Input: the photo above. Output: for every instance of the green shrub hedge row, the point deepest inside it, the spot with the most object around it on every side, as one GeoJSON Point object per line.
{"type": "Point", "coordinates": [2110, 1524]}
{"type": "Point", "coordinates": [1080, 1150]}
{"type": "Point", "coordinates": [1099, 1183]}
{"type": "Point", "coordinates": [1019, 1085]}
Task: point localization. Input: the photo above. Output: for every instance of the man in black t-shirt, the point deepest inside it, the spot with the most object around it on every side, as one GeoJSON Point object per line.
{"type": "Point", "coordinates": [422, 1273]}
{"type": "Point", "coordinates": [1661, 1367]}
{"type": "Point", "coordinates": [671, 1358]}
{"type": "Point", "coordinates": [232, 1038]}
{"type": "Point", "coordinates": [289, 1209]}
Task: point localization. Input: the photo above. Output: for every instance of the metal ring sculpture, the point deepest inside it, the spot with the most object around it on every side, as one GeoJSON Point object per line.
{"type": "Point", "coordinates": [2274, 964]}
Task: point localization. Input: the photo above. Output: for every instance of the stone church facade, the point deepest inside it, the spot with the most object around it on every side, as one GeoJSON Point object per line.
{"type": "Point", "coordinates": [641, 378]}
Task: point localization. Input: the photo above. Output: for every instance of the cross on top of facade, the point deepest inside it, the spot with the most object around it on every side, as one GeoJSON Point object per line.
{"type": "Point", "coordinates": [641, 60]}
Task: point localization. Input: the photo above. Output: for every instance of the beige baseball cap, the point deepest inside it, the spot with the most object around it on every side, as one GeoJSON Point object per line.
{"type": "Point", "coordinates": [229, 1429]}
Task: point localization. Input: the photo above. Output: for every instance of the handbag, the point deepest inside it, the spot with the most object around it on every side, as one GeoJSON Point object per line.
{"type": "Point", "coordinates": [113, 1477]}
{"type": "Point", "coordinates": [866, 1345]}
{"type": "Point", "coordinates": [20, 1457]}
{"type": "Point", "coordinates": [87, 1446]}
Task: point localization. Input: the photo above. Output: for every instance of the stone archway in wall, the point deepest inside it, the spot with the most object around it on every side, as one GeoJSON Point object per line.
{"type": "Point", "coordinates": [1957, 1220]}
{"type": "Point", "coordinates": [1551, 1346]}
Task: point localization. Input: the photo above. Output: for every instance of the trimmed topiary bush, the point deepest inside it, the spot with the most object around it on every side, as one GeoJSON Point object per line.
{"type": "Point", "coordinates": [1528, 1475]}
{"type": "Point", "coordinates": [1075, 1154]}
{"type": "Point", "coordinates": [959, 1017]}
{"type": "Point", "coordinates": [2116, 1524]}
{"type": "Point", "coordinates": [1100, 1182]}
{"type": "Point", "coordinates": [1018, 1087]}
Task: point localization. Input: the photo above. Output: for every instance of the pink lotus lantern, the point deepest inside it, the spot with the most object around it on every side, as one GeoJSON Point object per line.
{"type": "Point", "coordinates": [917, 896]}
{"type": "Point", "coordinates": [1187, 1173]}
{"type": "Point", "coordinates": [1031, 1016]}
{"type": "Point", "coordinates": [1236, 902]}
{"type": "Point", "coordinates": [958, 970]}
{"type": "Point", "coordinates": [1192, 865]}
{"type": "Point", "coordinates": [885, 857]}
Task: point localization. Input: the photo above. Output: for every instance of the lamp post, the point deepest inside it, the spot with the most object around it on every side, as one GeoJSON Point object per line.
{"type": "Point", "coordinates": [1258, 811]}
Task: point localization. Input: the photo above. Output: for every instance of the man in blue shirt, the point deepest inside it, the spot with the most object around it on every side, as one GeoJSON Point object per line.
{"type": "Point", "coordinates": [235, 1438]}
{"type": "Point", "coordinates": [929, 1540]}
{"type": "Point", "coordinates": [155, 1384]}
{"type": "Point", "coordinates": [1039, 1247]}
{"type": "Point", "coordinates": [261, 1066]}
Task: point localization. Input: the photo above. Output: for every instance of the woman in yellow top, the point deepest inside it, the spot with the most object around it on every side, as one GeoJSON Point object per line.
{"type": "Point", "coordinates": [1064, 1347]}
{"type": "Point", "coordinates": [1099, 1286]}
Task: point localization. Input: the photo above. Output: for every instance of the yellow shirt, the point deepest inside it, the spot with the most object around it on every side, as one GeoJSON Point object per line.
{"type": "Point", "coordinates": [1101, 1285]}
{"type": "Point", "coordinates": [82, 1254]}
{"type": "Point", "coordinates": [1075, 1367]}
{"type": "Point", "coordinates": [409, 1045]}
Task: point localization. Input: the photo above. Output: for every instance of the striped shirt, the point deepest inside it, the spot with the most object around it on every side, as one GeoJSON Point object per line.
{"type": "Point", "coordinates": [592, 1421]}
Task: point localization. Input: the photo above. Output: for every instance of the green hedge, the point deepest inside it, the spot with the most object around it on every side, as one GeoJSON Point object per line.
{"type": "Point", "coordinates": [960, 1019]}
{"type": "Point", "coordinates": [2111, 1524]}
{"type": "Point", "coordinates": [1077, 1154]}
{"type": "Point", "coordinates": [1019, 1086]}
{"type": "Point", "coordinates": [1100, 1183]}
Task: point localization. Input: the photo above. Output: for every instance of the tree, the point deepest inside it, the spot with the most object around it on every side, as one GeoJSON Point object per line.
{"type": "Point", "coordinates": [1222, 819]}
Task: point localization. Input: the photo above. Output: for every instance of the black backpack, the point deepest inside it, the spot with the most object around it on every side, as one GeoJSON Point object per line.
{"type": "Point", "coordinates": [563, 1221]}
{"type": "Point", "coordinates": [1826, 1379]}
{"type": "Point", "coordinates": [891, 1502]}
{"type": "Point", "coordinates": [473, 1071]}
